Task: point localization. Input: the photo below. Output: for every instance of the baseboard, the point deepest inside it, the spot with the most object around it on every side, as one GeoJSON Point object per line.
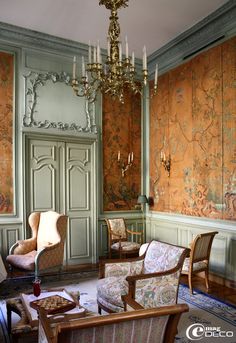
{"type": "Point", "coordinates": [220, 280]}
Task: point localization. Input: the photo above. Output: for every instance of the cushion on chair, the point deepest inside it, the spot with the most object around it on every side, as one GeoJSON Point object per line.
{"type": "Point", "coordinates": [161, 256]}
{"type": "Point", "coordinates": [157, 291]}
{"type": "Point", "coordinates": [196, 266]}
{"type": "Point", "coordinates": [26, 261]}
{"type": "Point", "coordinates": [118, 226]}
{"type": "Point", "coordinates": [126, 246]}
{"type": "Point", "coordinates": [48, 228]}
{"type": "Point", "coordinates": [110, 290]}
{"type": "Point", "coordinates": [123, 269]}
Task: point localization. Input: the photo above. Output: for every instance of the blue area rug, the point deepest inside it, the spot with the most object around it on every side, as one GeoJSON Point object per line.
{"type": "Point", "coordinates": [208, 320]}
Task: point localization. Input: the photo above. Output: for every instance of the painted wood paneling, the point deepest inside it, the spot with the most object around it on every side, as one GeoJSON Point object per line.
{"type": "Point", "coordinates": [179, 232]}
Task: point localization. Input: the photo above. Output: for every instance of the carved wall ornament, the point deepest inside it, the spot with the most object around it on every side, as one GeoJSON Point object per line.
{"type": "Point", "coordinates": [33, 82]}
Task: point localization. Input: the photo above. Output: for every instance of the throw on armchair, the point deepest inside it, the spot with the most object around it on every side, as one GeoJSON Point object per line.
{"type": "Point", "coordinates": [45, 249]}
{"type": "Point", "coordinates": [152, 280]}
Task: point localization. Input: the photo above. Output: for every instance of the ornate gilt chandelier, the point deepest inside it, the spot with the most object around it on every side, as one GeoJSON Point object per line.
{"type": "Point", "coordinates": [117, 74]}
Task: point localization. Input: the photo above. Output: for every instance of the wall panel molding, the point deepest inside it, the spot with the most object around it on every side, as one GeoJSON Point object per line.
{"type": "Point", "coordinates": [222, 261]}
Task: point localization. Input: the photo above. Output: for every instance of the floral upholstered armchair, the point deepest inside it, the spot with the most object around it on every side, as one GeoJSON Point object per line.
{"type": "Point", "coordinates": [45, 249]}
{"type": "Point", "coordinates": [118, 238]}
{"type": "Point", "coordinates": [152, 280]}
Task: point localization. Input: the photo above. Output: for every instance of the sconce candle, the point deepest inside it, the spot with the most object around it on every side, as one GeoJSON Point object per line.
{"type": "Point", "coordinates": [166, 162]}
{"type": "Point", "coordinates": [123, 165]}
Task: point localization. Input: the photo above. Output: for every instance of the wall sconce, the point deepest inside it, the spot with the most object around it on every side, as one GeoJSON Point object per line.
{"type": "Point", "coordinates": [124, 167]}
{"type": "Point", "coordinates": [166, 162]}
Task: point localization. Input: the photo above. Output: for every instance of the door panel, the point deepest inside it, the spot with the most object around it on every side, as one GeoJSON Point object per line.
{"type": "Point", "coordinates": [60, 180]}
{"type": "Point", "coordinates": [79, 209]}
{"type": "Point", "coordinates": [44, 176]}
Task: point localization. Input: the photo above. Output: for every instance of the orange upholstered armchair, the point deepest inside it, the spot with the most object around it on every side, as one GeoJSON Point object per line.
{"type": "Point", "coordinates": [45, 249]}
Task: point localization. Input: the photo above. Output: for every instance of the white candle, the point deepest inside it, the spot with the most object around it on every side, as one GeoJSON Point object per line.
{"type": "Point", "coordinates": [89, 53]}
{"type": "Point", "coordinates": [156, 75]}
{"type": "Point", "coordinates": [83, 67]}
{"type": "Point", "coordinates": [161, 155]}
{"type": "Point", "coordinates": [132, 156]}
{"type": "Point", "coordinates": [98, 53]}
{"type": "Point", "coordinates": [94, 55]}
{"type": "Point", "coordinates": [133, 63]}
{"type": "Point", "coordinates": [118, 157]}
{"type": "Point", "coordinates": [74, 67]}
{"type": "Point", "coordinates": [129, 158]}
{"type": "Point", "coordinates": [108, 47]}
{"type": "Point", "coordinates": [126, 47]}
{"type": "Point", "coordinates": [144, 58]}
{"type": "Point", "coordinates": [120, 52]}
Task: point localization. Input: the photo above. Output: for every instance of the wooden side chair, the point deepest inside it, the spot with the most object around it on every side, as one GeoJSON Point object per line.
{"type": "Point", "coordinates": [118, 238]}
{"type": "Point", "coordinates": [199, 257]}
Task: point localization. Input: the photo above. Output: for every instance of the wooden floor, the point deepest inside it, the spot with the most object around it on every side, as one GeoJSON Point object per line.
{"type": "Point", "coordinates": [216, 290]}
{"type": "Point", "coordinates": [220, 292]}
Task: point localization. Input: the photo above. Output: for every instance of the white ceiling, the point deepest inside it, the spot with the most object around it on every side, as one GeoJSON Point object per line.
{"type": "Point", "coordinates": [150, 22]}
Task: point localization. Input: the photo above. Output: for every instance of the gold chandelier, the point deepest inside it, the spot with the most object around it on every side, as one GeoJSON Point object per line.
{"type": "Point", "coordinates": [117, 73]}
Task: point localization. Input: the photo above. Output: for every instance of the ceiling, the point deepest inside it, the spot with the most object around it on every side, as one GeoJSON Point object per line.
{"type": "Point", "coordinates": [146, 22]}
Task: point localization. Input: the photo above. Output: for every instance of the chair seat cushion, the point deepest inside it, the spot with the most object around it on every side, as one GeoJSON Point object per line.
{"type": "Point", "coordinates": [196, 266]}
{"type": "Point", "coordinates": [126, 246]}
{"type": "Point", "coordinates": [110, 290]}
{"type": "Point", "coordinates": [26, 261]}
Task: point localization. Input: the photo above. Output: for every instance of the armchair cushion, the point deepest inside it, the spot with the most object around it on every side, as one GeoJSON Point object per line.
{"type": "Point", "coordinates": [26, 261]}
{"type": "Point", "coordinates": [161, 256]}
{"type": "Point", "coordinates": [160, 290]}
{"type": "Point", "coordinates": [126, 246]}
{"type": "Point", "coordinates": [123, 268]}
{"type": "Point", "coordinates": [196, 265]}
{"type": "Point", "coordinates": [111, 289]}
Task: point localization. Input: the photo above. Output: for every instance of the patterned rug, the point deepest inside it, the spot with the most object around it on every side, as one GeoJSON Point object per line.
{"type": "Point", "coordinates": [208, 319]}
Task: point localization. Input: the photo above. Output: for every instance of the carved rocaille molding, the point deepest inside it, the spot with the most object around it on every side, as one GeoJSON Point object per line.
{"type": "Point", "coordinates": [35, 80]}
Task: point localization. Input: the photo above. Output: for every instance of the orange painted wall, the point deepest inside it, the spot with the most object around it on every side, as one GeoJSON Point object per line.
{"type": "Point", "coordinates": [121, 132]}
{"type": "Point", "coordinates": [193, 119]}
{"type": "Point", "coordinates": [6, 133]}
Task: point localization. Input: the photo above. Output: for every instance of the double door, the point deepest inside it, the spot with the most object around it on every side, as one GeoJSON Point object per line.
{"type": "Point", "coordinates": [60, 177]}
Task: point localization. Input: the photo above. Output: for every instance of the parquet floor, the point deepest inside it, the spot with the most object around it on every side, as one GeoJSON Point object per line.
{"type": "Point", "coordinates": [221, 292]}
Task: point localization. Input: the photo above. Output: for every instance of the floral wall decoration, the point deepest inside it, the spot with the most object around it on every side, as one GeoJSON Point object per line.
{"type": "Point", "coordinates": [6, 132]}
{"type": "Point", "coordinates": [121, 133]}
{"type": "Point", "coordinates": [194, 118]}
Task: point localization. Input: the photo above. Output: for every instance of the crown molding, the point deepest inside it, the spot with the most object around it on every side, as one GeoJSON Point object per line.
{"type": "Point", "coordinates": [25, 38]}
{"type": "Point", "coordinates": [218, 26]}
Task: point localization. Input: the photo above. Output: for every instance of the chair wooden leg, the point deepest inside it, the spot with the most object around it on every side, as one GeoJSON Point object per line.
{"type": "Point", "coordinates": [190, 283]}
{"type": "Point", "coordinates": [207, 278]}
{"type": "Point", "coordinates": [99, 310]}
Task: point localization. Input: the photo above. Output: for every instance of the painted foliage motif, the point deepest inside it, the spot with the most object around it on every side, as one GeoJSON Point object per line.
{"type": "Point", "coordinates": [121, 132]}
{"type": "Point", "coordinates": [6, 133]}
{"type": "Point", "coordinates": [194, 116]}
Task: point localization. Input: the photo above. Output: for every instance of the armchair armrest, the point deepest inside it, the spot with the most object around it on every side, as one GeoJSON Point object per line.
{"type": "Point", "coordinates": [135, 232]}
{"type": "Point", "coordinates": [23, 247]}
{"type": "Point", "coordinates": [155, 289]}
{"type": "Point", "coordinates": [120, 267]}
{"type": "Point", "coordinates": [131, 303]}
